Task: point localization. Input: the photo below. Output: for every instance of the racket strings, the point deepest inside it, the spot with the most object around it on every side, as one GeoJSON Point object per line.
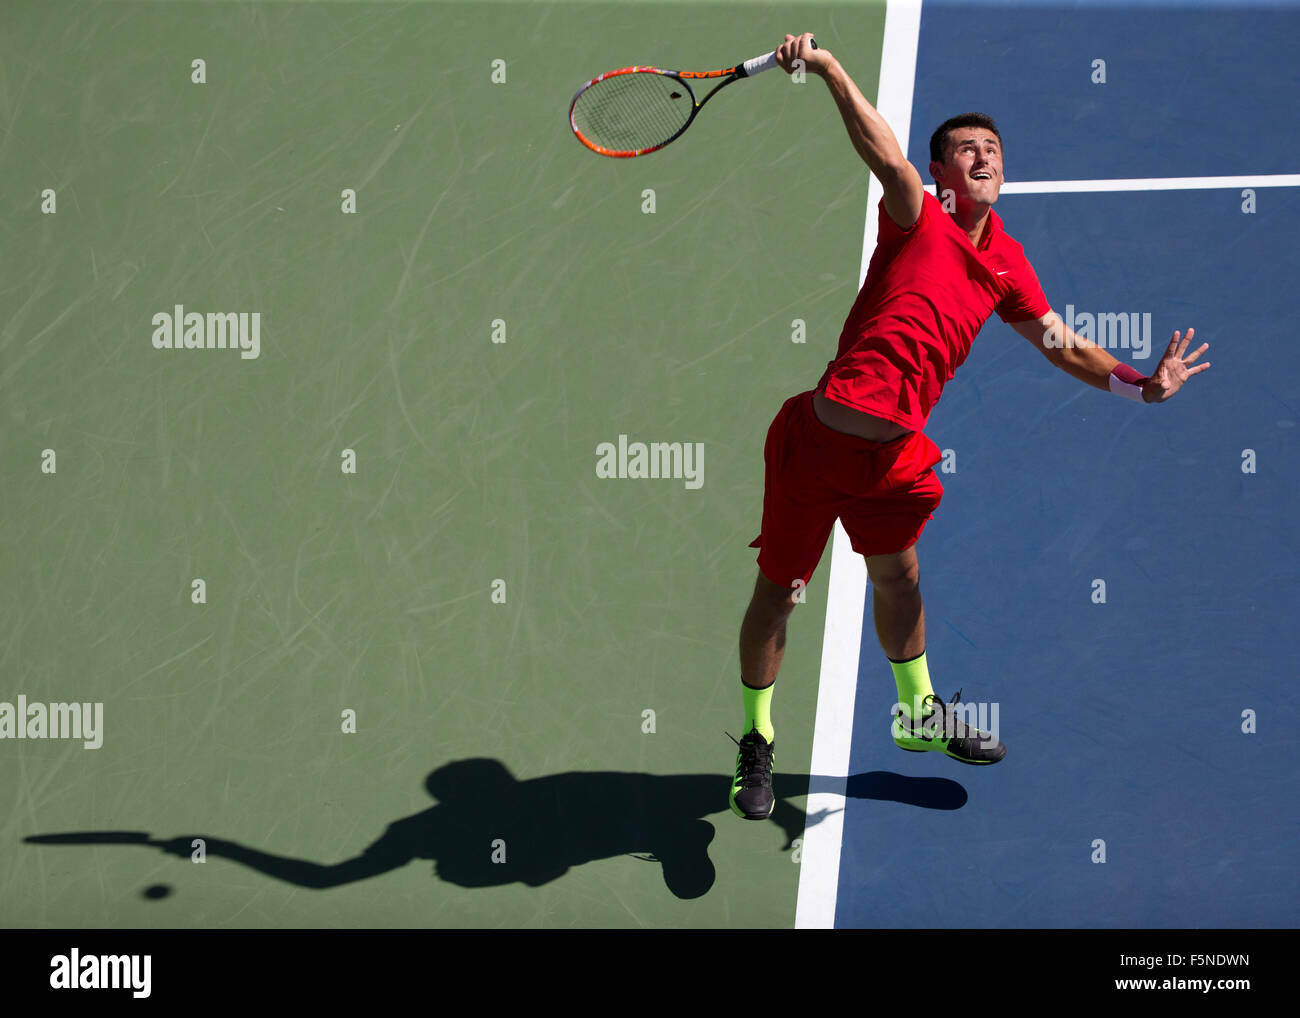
{"type": "Point", "coordinates": [628, 112]}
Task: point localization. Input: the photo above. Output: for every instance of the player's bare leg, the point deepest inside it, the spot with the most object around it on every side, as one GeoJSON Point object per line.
{"type": "Point", "coordinates": [762, 633]}
{"type": "Point", "coordinates": [896, 604]}
{"type": "Point", "coordinates": [922, 720]}
{"type": "Point", "coordinates": [762, 646]}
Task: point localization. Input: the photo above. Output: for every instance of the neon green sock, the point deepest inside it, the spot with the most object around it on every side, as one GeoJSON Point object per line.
{"type": "Point", "coordinates": [913, 680]}
{"type": "Point", "coordinates": [758, 710]}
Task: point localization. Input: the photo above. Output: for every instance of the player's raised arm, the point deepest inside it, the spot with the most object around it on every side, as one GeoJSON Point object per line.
{"type": "Point", "coordinates": [1090, 363]}
{"type": "Point", "coordinates": [870, 135]}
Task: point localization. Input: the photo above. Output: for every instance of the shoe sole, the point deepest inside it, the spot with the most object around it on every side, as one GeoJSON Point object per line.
{"type": "Point", "coordinates": [953, 756]}
{"type": "Point", "coordinates": [942, 748]}
{"type": "Point", "coordinates": [751, 816]}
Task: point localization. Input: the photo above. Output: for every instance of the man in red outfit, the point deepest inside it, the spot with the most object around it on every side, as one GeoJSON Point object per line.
{"type": "Point", "coordinates": [853, 448]}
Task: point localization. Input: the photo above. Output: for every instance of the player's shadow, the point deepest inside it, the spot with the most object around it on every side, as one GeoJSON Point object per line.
{"type": "Point", "coordinates": [928, 793]}
{"type": "Point", "coordinates": [489, 829]}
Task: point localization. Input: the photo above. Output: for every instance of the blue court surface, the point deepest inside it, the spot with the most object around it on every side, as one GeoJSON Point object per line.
{"type": "Point", "coordinates": [1127, 720]}
{"type": "Point", "coordinates": [348, 721]}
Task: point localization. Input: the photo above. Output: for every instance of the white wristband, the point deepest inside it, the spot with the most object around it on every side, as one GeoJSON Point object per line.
{"type": "Point", "coordinates": [1125, 381]}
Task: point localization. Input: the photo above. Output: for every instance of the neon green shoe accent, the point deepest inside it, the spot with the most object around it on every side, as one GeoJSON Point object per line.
{"type": "Point", "coordinates": [918, 738]}
{"type": "Point", "coordinates": [941, 731]}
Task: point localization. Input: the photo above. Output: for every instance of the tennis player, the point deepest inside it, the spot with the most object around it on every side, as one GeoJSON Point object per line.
{"type": "Point", "coordinates": [854, 447]}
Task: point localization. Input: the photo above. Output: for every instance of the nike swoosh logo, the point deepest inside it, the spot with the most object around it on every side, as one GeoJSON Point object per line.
{"type": "Point", "coordinates": [1004, 272]}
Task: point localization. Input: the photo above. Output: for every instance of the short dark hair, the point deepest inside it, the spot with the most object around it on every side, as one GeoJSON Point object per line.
{"type": "Point", "coordinates": [939, 140]}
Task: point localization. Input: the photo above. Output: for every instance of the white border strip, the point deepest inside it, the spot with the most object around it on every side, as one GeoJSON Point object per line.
{"type": "Point", "coordinates": [819, 870]}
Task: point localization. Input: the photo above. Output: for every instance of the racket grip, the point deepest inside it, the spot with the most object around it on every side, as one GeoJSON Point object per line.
{"type": "Point", "coordinates": [764, 63]}
{"type": "Point", "coordinates": [759, 64]}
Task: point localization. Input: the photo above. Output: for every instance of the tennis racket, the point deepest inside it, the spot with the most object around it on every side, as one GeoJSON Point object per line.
{"type": "Point", "coordinates": [637, 110]}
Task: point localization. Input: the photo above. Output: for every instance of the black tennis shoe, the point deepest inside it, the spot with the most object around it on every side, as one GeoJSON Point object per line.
{"type": "Point", "coordinates": [942, 730]}
{"type": "Point", "coordinates": [751, 789]}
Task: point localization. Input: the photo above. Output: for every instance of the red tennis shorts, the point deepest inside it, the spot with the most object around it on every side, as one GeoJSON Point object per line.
{"type": "Point", "coordinates": [883, 492]}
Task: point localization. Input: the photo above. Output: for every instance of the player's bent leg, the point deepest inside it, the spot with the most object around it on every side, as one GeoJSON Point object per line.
{"type": "Point", "coordinates": [900, 624]}
{"type": "Point", "coordinates": [922, 721]}
{"type": "Point", "coordinates": [896, 603]}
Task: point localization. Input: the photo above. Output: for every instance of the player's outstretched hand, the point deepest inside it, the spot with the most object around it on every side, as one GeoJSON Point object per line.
{"type": "Point", "coordinates": [800, 47]}
{"type": "Point", "coordinates": [1173, 370]}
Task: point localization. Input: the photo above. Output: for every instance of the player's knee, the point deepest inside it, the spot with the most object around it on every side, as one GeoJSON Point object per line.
{"type": "Point", "coordinates": [772, 599]}
{"type": "Point", "coordinates": [897, 578]}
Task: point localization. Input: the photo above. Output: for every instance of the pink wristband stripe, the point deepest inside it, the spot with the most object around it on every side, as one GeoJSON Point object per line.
{"type": "Point", "coordinates": [1125, 381]}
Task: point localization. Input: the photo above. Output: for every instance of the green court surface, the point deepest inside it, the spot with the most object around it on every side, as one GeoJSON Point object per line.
{"type": "Point", "coordinates": [476, 461]}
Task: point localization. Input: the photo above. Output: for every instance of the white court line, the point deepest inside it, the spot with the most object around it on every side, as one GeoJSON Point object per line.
{"type": "Point", "coordinates": [1149, 184]}
{"type": "Point", "coordinates": [819, 869]}
{"type": "Point", "coordinates": [1140, 184]}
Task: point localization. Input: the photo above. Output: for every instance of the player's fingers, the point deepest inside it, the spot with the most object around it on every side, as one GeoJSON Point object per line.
{"type": "Point", "coordinates": [1173, 343]}
{"type": "Point", "coordinates": [1198, 368]}
{"type": "Point", "coordinates": [1196, 353]}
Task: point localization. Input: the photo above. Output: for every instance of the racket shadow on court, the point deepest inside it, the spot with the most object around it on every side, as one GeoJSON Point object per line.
{"type": "Point", "coordinates": [489, 829]}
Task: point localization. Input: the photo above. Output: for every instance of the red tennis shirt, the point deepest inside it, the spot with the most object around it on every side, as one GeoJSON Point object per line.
{"type": "Point", "coordinates": [928, 291]}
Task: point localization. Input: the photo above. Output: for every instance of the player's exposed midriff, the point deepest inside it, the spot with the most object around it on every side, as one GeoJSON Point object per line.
{"type": "Point", "coordinates": [839, 417]}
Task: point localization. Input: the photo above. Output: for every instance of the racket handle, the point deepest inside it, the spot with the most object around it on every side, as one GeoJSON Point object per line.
{"type": "Point", "coordinates": [764, 63]}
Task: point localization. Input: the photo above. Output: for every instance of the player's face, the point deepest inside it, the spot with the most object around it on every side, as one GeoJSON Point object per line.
{"type": "Point", "coordinates": [973, 170]}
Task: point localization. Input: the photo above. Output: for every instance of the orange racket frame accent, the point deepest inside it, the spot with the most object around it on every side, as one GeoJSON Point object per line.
{"type": "Point", "coordinates": [748, 69]}
{"type": "Point", "coordinates": [630, 153]}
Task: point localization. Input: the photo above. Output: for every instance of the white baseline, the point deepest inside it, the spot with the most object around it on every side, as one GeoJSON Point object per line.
{"type": "Point", "coordinates": [1145, 184]}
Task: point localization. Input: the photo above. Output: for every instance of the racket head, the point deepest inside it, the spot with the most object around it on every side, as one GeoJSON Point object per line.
{"type": "Point", "coordinates": [632, 111]}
